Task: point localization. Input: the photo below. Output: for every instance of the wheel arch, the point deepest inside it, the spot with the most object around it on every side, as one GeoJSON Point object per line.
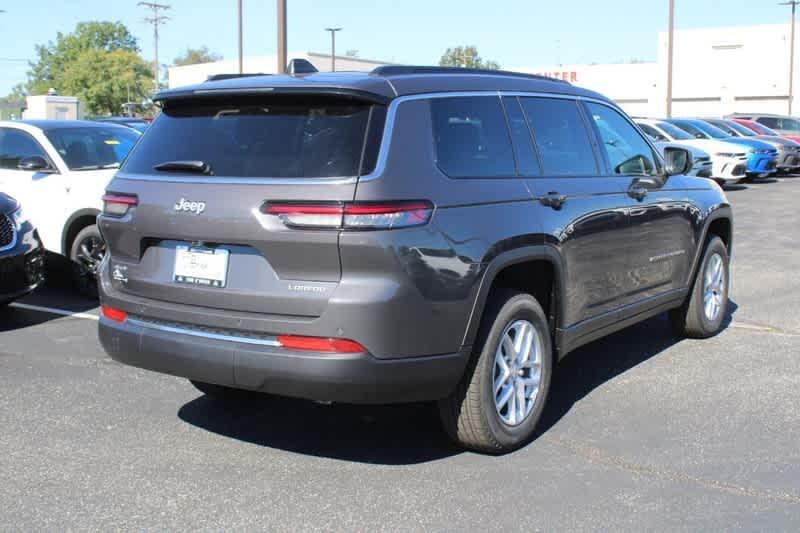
{"type": "Point", "coordinates": [719, 222]}
{"type": "Point", "coordinates": [506, 267]}
{"type": "Point", "coordinates": [74, 224]}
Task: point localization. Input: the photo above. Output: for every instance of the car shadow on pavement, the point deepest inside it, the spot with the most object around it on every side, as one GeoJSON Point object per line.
{"type": "Point", "coordinates": [390, 434]}
{"type": "Point", "coordinates": [411, 433]}
{"type": "Point", "coordinates": [588, 367]}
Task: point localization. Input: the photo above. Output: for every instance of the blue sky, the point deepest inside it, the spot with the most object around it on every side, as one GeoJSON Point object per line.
{"type": "Point", "coordinates": [512, 32]}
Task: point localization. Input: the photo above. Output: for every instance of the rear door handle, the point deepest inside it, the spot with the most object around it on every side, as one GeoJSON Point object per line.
{"type": "Point", "coordinates": [553, 199]}
{"type": "Point", "coordinates": [637, 192]}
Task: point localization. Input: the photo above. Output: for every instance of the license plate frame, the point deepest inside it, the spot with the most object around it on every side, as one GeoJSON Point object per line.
{"type": "Point", "coordinates": [201, 266]}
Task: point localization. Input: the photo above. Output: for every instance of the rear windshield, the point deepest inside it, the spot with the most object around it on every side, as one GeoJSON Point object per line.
{"type": "Point", "coordinates": [278, 137]}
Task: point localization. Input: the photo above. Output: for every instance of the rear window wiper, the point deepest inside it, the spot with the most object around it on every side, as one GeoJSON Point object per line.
{"type": "Point", "coordinates": [196, 167]}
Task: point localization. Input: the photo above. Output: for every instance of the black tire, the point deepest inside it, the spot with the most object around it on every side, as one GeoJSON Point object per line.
{"type": "Point", "coordinates": [84, 269]}
{"type": "Point", "coordinates": [469, 414]}
{"type": "Point", "coordinates": [690, 320]}
{"type": "Point", "coordinates": [220, 392]}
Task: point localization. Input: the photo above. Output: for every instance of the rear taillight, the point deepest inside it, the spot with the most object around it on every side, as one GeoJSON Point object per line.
{"type": "Point", "coordinates": [112, 313]}
{"type": "Point", "coordinates": [351, 215]}
{"type": "Point", "coordinates": [117, 205]}
{"type": "Point", "coordinates": [320, 344]}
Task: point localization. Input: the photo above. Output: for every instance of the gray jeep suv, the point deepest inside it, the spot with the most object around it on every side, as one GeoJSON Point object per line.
{"type": "Point", "coordinates": [413, 233]}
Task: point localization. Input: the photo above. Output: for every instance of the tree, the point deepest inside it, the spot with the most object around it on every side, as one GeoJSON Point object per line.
{"type": "Point", "coordinates": [103, 80]}
{"type": "Point", "coordinates": [466, 56]}
{"type": "Point", "coordinates": [193, 56]}
{"type": "Point", "coordinates": [99, 63]}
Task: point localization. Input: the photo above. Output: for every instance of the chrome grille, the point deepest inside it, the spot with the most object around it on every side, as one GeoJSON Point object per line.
{"type": "Point", "coordinates": [8, 234]}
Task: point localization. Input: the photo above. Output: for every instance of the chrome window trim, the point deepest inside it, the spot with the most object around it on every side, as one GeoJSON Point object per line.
{"type": "Point", "coordinates": [265, 341]}
{"type": "Point", "coordinates": [14, 235]}
{"type": "Point", "coordinates": [383, 152]}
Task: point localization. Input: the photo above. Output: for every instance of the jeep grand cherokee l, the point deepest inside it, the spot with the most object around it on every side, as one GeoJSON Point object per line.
{"type": "Point", "coordinates": [413, 233]}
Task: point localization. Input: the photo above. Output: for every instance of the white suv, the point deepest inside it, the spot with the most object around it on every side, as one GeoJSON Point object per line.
{"type": "Point", "coordinates": [58, 171]}
{"type": "Point", "coordinates": [728, 160]}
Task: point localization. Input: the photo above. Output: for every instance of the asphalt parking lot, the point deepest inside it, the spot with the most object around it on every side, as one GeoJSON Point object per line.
{"type": "Point", "coordinates": [643, 432]}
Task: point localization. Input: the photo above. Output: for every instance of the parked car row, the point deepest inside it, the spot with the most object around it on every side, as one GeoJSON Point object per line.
{"type": "Point", "coordinates": [57, 170]}
{"type": "Point", "coordinates": [737, 148]}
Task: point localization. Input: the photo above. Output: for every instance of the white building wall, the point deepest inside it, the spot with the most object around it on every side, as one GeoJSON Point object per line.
{"type": "Point", "coordinates": [191, 74]}
{"type": "Point", "coordinates": [716, 71]}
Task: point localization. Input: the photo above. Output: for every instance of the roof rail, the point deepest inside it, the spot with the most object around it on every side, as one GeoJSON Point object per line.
{"type": "Point", "coordinates": [230, 76]}
{"type": "Point", "coordinates": [401, 70]}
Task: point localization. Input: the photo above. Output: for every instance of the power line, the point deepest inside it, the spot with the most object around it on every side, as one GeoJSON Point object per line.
{"type": "Point", "coordinates": [156, 20]}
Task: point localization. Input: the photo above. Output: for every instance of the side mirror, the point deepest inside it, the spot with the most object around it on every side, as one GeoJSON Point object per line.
{"type": "Point", "coordinates": [677, 161]}
{"type": "Point", "coordinates": [34, 163]}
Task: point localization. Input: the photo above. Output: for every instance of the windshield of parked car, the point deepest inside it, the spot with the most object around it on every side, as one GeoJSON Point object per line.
{"type": "Point", "coordinates": [93, 148]}
{"type": "Point", "coordinates": [762, 129]}
{"type": "Point", "coordinates": [690, 128]}
{"type": "Point", "coordinates": [712, 131]}
{"type": "Point", "coordinates": [745, 132]}
{"type": "Point", "coordinates": [675, 132]}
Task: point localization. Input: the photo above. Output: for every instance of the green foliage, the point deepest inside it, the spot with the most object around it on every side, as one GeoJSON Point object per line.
{"type": "Point", "coordinates": [194, 56]}
{"type": "Point", "coordinates": [99, 63]}
{"type": "Point", "coordinates": [466, 56]}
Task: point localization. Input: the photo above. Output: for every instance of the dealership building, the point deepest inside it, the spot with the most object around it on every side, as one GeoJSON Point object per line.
{"type": "Point", "coordinates": [715, 71]}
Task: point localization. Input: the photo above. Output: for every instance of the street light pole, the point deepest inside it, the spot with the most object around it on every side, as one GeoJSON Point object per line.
{"type": "Point", "coordinates": [333, 46]}
{"type": "Point", "coordinates": [792, 3]}
{"type": "Point", "coordinates": [241, 53]}
{"type": "Point", "coordinates": [281, 36]}
{"type": "Point", "coordinates": [670, 41]}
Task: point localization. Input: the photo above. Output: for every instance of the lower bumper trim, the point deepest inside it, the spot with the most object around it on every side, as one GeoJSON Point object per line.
{"type": "Point", "coordinates": [348, 378]}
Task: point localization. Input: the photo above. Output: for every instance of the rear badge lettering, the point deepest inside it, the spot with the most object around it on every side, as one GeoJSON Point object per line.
{"type": "Point", "coordinates": [294, 287]}
{"type": "Point", "coordinates": [184, 205]}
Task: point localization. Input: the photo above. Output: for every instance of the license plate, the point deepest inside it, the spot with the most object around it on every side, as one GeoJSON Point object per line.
{"type": "Point", "coordinates": [201, 266]}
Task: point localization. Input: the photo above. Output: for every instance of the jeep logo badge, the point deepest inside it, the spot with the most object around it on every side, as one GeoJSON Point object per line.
{"type": "Point", "coordinates": [192, 207]}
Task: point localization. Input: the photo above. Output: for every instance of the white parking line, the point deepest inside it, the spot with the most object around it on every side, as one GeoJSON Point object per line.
{"type": "Point", "coordinates": [55, 311]}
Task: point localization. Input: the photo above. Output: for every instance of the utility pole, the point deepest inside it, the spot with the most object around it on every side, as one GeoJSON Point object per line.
{"type": "Point", "coordinates": [281, 36]}
{"type": "Point", "coordinates": [156, 20]}
{"type": "Point", "coordinates": [670, 42]}
{"type": "Point", "coordinates": [792, 3]}
{"type": "Point", "coordinates": [333, 46]}
{"type": "Point", "coordinates": [241, 60]}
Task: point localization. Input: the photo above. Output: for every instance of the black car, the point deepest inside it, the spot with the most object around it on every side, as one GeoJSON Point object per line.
{"type": "Point", "coordinates": [21, 253]}
{"type": "Point", "coordinates": [409, 234]}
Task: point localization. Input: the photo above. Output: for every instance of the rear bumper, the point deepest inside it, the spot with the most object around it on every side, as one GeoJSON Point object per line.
{"type": "Point", "coordinates": [349, 378]}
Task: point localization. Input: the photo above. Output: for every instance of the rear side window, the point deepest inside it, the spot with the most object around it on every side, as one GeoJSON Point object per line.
{"type": "Point", "coordinates": [627, 151]}
{"type": "Point", "coordinates": [471, 137]}
{"type": "Point", "coordinates": [561, 136]}
{"type": "Point", "coordinates": [259, 137]}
